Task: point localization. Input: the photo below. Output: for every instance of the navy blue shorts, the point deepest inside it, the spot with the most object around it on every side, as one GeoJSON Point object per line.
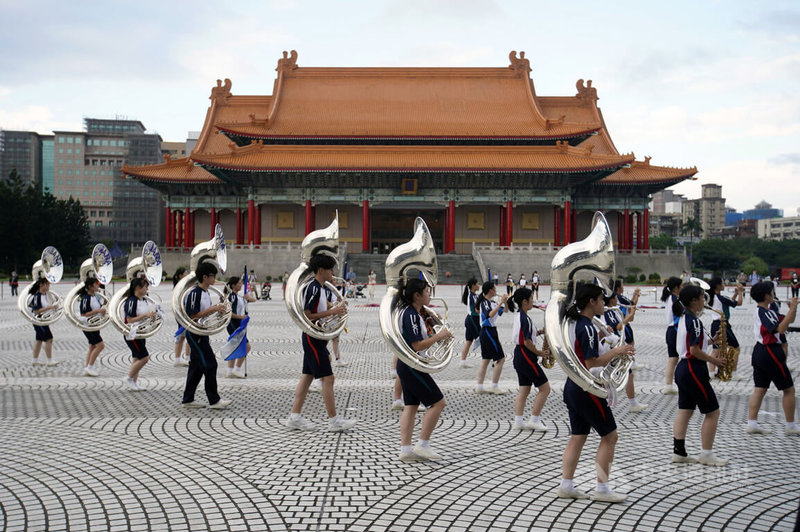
{"type": "Point", "coordinates": [316, 358]}
{"type": "Point", "coordinates": [694, 387]}
{"type": "Point", "coordinates": [138, 348]}
{"type": "Point", "coordinates": [587, 411]}
{"type": "Point", "coordinates": [629, 334]}
{"type": "Point", "coordinates": [491, 349]}
{"type": "Point", "coordinates": [672, 336]}
{"type": "Point", "coordinates": [529, 372]}
{"type": "Point", "coordinates": [472, 324]}
{"type": "Point", "coordinates": [418, 387]}
{"type": "Point", "coordinates": [732, 341]}
{"type": "Point", "coordinates": [769, 365]}
{"type": "Point", "coordinates": [43, 333]}
{"type": "Point", "coordinates": [93, 337]}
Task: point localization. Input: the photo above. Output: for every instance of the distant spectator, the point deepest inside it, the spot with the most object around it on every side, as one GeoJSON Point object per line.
{"type": "Point", "coordinates": [754, 278]}
{"type": "Point", "coordinates": [795, 284]}
{"type": "Point", "coordinates": [14, 282]}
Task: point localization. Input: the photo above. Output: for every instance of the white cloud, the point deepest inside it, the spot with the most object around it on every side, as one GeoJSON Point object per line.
{"type": "Point", "coordinates": [35, 118]}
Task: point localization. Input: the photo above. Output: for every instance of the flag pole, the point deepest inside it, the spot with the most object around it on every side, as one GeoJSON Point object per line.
{"type": "Point", "coordinates": [245, 302]}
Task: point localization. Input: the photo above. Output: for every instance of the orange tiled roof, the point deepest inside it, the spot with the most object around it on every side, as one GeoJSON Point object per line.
{"type": "Point", "coordinates": [394, 103]}
{"type": "Point", "coordinates": [181, 170]}
{"type": "Point", "coordinates": [349, 158]}
{"type": "Point", "coordinates": [641, 172]}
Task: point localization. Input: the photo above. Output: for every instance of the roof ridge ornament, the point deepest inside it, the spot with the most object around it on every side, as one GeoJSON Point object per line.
{"type": "Point", "coordinates": [562, 146]}
{"type": "Point", "coordinates": [288, 62]}
{"type": "Point", "coordinates": [647, 160]}
{"type": "Point", "coordinates": [520, 65]}
{"type": "Point", "coordinates": [221, 93]}
{"type": "Point", "coordinates": [586, 92]}
{"type": "Point", "coordinates": [167, 158]}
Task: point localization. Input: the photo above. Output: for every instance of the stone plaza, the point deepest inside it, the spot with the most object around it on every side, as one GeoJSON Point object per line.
{"type": "Point", "coordinates": [85, 453]}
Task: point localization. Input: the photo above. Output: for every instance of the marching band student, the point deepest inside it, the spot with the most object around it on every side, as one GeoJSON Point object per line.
{"type": "Point", "coordinates": [529, 372]}
{"type": "Point", "coordinates": [202, 361]}
{"type": "Point", "coordinates": [509, 284]}
{"type": "Point", "coordinates": [180, 339]}
{"type": "Point", "coordinates": [769, 361]}
{"type": "Point", "coordinates": [535, 280]}
{"type": "Point", "coordinates": [90, 306]}
{"type": "Point", "coordinates": [670, 296]}
{"type": "Point", "coordinates": [472, 323]}
{"type": "Point", "coordinates": [238, 313]}
{"type": "Point", "coordinates": [397, 403]}
{"type": "Point", "coordinates": [587, 411]}
{"type": "Point", "coordinates": [723, 304]}
{"type": "Point", "coordinates": [316, 358]}
{"type": "Point", "coordinates": [691, 375]}
{"type": "Point", "coordinates": [627, 305]}
{"type": "Point", "coordinates": [620, 324]}
{"type": "Point", "coordinates": [137, 309]}
{"type": "Point", "coordinates": [418, 387]}
{"type": "Point", "coordinates": [775, 306]}
{"type": "Point", "coordinates": [491, 349]}
{"type": "Point", "coordinates": [316, 386]}
{"type": "Point", "coordinates": [38, 305]}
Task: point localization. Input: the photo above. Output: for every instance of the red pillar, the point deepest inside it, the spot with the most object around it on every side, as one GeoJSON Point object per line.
{"type": "Point", "coordinates": [365, 226]}
{"type": "Point", "coordinates": [258, 225]}
{"type": "Point", "coordinates": [213, 221]}
{"type": "Point", "coordinates": [567, 222]}
{"type": "Point", "coordinates": [178, 229]}
{"type": "Point", "coordinates": [251, 221]}
{"type": "Point", "coordinates": [556, 226]}
{"type": "Point", "coordinates": [574, 236]}
{"type": "Point", "coordinates": [509, 223]}
{"type": "Point", "coordinates": [626, 220]}
{"type": "Point", "coordinates": [646, 230]}
{"type": "Point", "coordinates": [450, 240]}
{"type": "Point", "coordinates": [502, 226]}
{"type": "Point", "coordinates": [186, 228]}
{"type": "Point", "coordinates": [309, 217]}
{"type": "Point", "coordinates": [638, 231]}
{"type": "Point", "coordinates": [239, 239]}
{"type": "Point", "coordinates": [166, 227]}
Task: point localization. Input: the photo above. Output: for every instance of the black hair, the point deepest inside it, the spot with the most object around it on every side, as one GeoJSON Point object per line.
{"type": "Point", "coordinates": [607, 299]}
{"type": "Point", "coordinates": [584, 293]}
{"type": "Point", "coordinates": [672, 282]}
{"type": "Point", "coordinates": [87, 283]}
{"type": "Point", "coordinates": [232, 281]}
{"type": "Point", "coordinates": [520, 295]}
{"type": "Point", "coordinates": [465, 295]}
{"type": "Point", "coordinates": [176, 278]}
{"type": "Point", "coordinates": [136, 282]}
{"type": "Point", "coordinates": [485, 289]}
{"type": "Point", "coordinates": [761, 290]}
{"type": "Point", "coordinates": [712, 285]}
{"type": "Point", "coordinates": [35, 286]}
{"type": "Point", "coordinates": [413, 286]}
{"type": "Point", "coordinates": [326, 262]}
{"type": "Point", "coordinates": [203, 269]}
{"type": "Point", "coordinates": [617, 285]}
{"type": "Point", "coordinates": [688, 293]}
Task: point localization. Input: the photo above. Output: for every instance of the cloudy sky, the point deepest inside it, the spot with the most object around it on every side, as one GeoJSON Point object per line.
{"type": "Point", "coordinates": [705, 83]}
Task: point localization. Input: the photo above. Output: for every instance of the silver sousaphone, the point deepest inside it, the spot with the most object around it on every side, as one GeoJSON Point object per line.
{"type": "Point", "coordinates": [416, 255]}
{"type": "Point", "coordinates": [147, 266]}
{"type": "Point", "coordinates": [322, 241]}
{"type": "Point", "coordinates": [100, 267]}
{"type": "Point", "coordinates": [49, 267]}
{"type": "Point", "coordinates": [591, 258]}
{"type": "Point", "coordinates": [215, 252]}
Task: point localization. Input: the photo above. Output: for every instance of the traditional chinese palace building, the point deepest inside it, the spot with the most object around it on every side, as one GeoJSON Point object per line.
{"type": "Point", "coordinates": [474, 151]}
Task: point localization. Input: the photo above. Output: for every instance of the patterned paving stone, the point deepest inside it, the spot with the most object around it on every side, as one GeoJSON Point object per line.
{"type": "Point", "coordinates": [84, 453]}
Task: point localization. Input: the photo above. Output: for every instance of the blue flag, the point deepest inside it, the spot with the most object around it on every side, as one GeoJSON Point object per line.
{"type": "Point", "coordinates": [236, 346]}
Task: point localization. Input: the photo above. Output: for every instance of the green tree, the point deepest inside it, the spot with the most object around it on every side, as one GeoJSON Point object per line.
{"type": "Point", "coordinates": [716, 255]}
{"type": "Point", "coordinates": [757, 264]}
{"type": "Point", "coordinates": [692, 227]}
{"type": "Point", "coordinates": [31, 221]}
{"type": "Point", "coordinates": [662, 242]}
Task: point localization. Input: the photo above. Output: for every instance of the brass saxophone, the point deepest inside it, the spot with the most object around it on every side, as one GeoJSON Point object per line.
{"type": "Point", "coordinates": [726, 353]}
{"type": "Point", "coordinates": [548, 360]}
